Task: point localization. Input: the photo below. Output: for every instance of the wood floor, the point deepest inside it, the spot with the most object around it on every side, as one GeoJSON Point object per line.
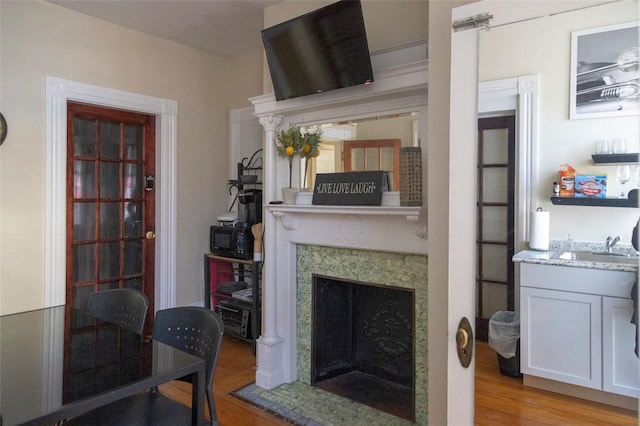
{"type": "Point", "coordinates": [500, 400]}
{"type": "Point", "coordinates": [503, 400]}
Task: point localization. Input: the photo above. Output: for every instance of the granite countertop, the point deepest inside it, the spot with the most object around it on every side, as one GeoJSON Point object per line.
{"type": "Point", "coordinates": [555, 247]}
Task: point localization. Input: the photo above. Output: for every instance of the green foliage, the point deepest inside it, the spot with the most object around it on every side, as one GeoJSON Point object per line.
{"type": "Point", "coordinates": [293, 141]}
{"type": "Point", "coordinates": [289, 142]}
{"type": "Point", "coordinates": [311, 144]}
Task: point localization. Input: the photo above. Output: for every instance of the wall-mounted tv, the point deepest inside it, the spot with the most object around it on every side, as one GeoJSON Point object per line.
{"type": "Point", "coordinates": [322, 50]}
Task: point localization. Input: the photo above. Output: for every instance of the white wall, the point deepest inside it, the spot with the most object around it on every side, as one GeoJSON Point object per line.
{"type": "Point", "coordinates": [542, 46]}
{"type": "Point", "coordinates": [40, 39]}
{"type": "Point", "coordinates": [438, 200]}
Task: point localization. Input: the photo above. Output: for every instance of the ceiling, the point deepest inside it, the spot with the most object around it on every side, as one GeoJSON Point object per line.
{"type": "Point", "coordinates": [225, 28]}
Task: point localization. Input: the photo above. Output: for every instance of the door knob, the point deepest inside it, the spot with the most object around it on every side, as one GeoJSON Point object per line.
{"type": "Point", "coordinates": [464, 342]}
{"type": "Point", "coordinates": [150, 235]}
{"type": "Point", "coordinates": [462, 338]}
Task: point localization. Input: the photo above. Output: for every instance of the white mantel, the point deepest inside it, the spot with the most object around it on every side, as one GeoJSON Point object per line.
{"type": "Point", "coordinates": [391, 229]}
{"type": "Point", "coordinates": [386, 229]}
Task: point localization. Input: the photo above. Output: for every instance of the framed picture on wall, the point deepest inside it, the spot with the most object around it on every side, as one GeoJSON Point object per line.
{"type": "Point", "coordinates": [605, 72]}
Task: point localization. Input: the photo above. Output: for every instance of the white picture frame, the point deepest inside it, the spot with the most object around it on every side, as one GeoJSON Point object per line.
{"type": "Point", "coordinates": [598, 77]}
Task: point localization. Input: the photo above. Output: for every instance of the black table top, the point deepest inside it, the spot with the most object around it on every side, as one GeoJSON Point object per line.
{"type": "Point", "coordinates": [56, 363]}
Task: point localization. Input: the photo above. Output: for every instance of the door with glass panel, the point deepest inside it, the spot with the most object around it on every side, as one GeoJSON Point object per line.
{"type": "Point", "coordinates": [110, 202]}
{"type": "Point", "coordinates": [378, 154]}
{"type": "Point", "coordinates": [495, 229]}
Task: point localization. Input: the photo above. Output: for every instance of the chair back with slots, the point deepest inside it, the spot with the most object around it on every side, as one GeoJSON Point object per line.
{"type": "Point", "coordinates": [197, 331]}
{"type": "Point", "coordinates": [125, 307]}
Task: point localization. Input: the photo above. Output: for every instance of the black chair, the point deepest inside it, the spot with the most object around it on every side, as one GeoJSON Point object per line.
{"type": "Point", "coordinates": [195, 330]}
{"type": "Point", "coordinates": [125, 307]}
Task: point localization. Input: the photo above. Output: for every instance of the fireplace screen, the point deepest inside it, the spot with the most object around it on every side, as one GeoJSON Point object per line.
{"type": "Point", "coordinates": [363, 343]}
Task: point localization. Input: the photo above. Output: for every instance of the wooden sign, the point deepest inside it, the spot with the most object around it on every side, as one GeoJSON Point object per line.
{"type": "Point", "coordinates": [350, 189]}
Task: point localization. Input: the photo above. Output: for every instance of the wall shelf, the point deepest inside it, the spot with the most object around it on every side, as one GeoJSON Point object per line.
{"type": "Point", "coordinates": [608, 159]}
{"type": "Point", "coordinates": [597, 202]}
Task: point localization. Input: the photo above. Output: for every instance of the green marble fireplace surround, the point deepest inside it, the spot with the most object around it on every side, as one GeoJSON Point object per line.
{"type": "Point", "coordinates": [407, 271]}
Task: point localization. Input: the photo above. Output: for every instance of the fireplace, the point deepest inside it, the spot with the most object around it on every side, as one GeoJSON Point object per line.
{"type": "Point", "coordinates": [402, 274]}
{"type": "Point", "coordinates": [362, 343]}
{"type": "Point", "coordinates": [380, 245]}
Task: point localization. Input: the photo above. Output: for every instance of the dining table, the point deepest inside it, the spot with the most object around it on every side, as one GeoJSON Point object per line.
{"type": "Point", "coordinates": [59, 362]}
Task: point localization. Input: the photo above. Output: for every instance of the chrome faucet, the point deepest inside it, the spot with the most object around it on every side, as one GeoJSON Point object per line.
{"type": "Point", "coordinates": [611, 242]}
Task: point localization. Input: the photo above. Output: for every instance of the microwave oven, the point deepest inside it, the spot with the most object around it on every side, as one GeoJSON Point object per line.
{"type": "Point", "coordinates": [232, 241]}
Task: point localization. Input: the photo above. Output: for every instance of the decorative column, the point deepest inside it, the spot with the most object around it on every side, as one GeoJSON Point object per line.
{"type": "Point", "coordinates": [270, 346]}
{"type": "Point", "coordinates": [270, 124]}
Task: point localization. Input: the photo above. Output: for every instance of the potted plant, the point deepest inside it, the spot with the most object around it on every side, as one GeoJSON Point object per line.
{"type": "Point", "coordinates": [310, 149]}
{"type": "Point", "coordinates": [288, 145]}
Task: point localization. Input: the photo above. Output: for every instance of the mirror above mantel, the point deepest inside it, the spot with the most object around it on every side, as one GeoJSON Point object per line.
{"type": "Point", "coordinates": [396, 91]}
{"type": "Point", "coordinates": [364, 144]}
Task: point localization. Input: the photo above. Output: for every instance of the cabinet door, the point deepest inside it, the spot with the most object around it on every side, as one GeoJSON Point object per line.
{"type": "Point", "coordinates": [561, 336]}
{"type": "Point", "coordinates": [619, 361]}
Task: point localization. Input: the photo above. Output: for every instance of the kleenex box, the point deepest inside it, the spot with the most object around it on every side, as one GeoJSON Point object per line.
{"type": "Point", "coordinates": [591, 186]}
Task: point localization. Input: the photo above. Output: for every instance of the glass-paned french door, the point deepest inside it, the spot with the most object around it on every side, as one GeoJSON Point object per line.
{"type": "Point", "coordinates": [382, 154]}
{"type": "Point", "coordinates": [495, 213]}
{"type": "Point", "coordinates": [110, 202]}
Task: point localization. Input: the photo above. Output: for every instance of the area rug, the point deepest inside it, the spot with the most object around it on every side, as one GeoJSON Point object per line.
{"type": "Point", "coordinates": [251, 395]}
{"type": "Point", "coordinates": [303, 405]}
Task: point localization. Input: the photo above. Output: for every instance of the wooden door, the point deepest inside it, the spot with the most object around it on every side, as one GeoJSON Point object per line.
{"type": "Point", "coordinates": [110, 202]}
{"type": "Point", "coordinates": [378, 154]}
{"type": "Point", "coordinates": [495, 213]}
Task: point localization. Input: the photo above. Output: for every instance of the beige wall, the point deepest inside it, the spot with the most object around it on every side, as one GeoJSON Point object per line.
{"type": "Point", "coordinates": [246, 80]}
{"type": "Point", "coordinates": [509, 51]}
{"type": "Point", "coordinates": [393, 128]}
{"type": "Point", "coordinates": [39, 39]}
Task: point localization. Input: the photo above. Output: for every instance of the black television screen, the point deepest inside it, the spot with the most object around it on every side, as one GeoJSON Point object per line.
{"type": "Point", "coordinates": [322, 50]}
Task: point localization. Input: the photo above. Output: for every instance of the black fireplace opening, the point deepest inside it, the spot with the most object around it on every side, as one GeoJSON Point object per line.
{"type": "Point", "coordinates": [362, 343]}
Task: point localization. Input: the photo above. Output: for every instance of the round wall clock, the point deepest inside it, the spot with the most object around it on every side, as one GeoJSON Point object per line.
{"type": "Point", "coordinates": [3, 128]}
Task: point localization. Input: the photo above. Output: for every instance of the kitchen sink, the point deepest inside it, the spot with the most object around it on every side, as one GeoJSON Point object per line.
{"type": "Point", "coordinates": [598, 256]}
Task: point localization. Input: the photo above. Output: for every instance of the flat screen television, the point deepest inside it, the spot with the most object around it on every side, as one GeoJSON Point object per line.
{"type": "Point", "coordinates": [322, 50]}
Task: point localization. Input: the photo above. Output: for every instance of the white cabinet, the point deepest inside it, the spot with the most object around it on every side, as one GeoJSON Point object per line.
{"type": "Point", "coordinates": [619, 362]}
{"type": "Point", "coordinates": [575, 327]}
{"type": "Point", "coordinates": [560, 336]}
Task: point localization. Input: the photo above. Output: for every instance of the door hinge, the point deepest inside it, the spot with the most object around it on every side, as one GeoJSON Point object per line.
{"type": "Point", "coordinates": [476, 21]}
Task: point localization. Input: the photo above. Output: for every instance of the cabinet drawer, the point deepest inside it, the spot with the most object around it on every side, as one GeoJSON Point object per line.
{"type": "Point", "coordinates": [577, 280]}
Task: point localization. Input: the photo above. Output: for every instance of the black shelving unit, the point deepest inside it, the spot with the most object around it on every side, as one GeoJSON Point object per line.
{"type": "Point", "coordinates": [604, 160]}
{"type": "Point", "coordinates": [248, 168]}
{"type": "Point", "coordinates": [597, 202]}
{"type": "Point", "coordinates": [242, 318]}
{"type": "Point", "coordinates": [616, 159]}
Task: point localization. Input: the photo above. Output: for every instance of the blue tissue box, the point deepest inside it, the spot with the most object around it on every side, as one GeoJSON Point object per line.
{"type": "Point", "coordinates": [591, 186]}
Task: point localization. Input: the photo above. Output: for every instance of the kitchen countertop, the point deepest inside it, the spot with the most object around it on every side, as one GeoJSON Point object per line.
{"type": "Point", "coordinates": [549, 257]}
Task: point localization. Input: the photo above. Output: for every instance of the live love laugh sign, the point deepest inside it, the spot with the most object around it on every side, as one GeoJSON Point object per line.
{"type": "Point", "coordinates": [350, 189]}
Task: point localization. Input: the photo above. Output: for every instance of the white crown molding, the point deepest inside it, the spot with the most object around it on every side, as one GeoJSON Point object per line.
{"type": "Point", "coordinates": [404, 81]}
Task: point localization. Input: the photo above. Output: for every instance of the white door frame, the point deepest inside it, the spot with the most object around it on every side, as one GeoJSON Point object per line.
{"type": "Point", "coordinates": [58, 92]}
{"type": "Point", "coordinates": [462, 158]}
{"type": "Point", "coordinates": [518, 95]}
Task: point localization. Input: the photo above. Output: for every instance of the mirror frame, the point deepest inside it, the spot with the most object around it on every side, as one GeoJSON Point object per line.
{"type": "Point", "coordinates": [400, 89]}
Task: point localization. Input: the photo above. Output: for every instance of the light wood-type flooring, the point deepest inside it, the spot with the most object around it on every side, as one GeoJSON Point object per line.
{"type": "Point", "coordinates": [500, 400]}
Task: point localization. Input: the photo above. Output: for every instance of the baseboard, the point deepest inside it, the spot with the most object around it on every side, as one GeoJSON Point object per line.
{"type": "Point", "coordinates": [594, 395]}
